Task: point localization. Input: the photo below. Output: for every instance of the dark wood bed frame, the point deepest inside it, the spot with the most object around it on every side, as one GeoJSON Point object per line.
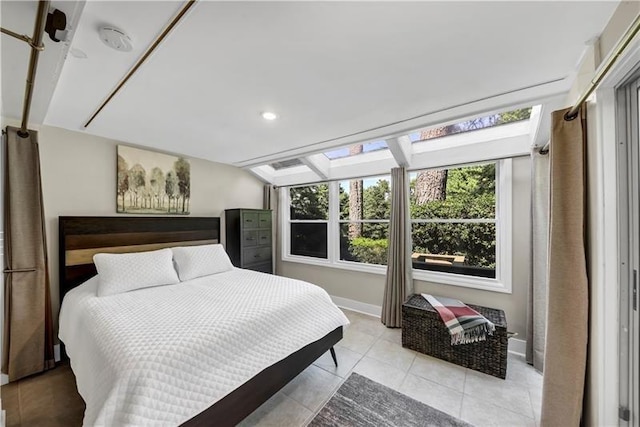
{"type": "Point", "coordinates": [82, 237]}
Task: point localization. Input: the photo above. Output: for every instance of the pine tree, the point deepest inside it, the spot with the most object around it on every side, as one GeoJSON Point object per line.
{"type": "Point", "coordinates": [432, 184]}
{"type": "Point", "coordinates": [355, 199]}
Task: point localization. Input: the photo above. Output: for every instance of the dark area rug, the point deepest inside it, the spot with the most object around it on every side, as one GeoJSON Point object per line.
{"type": "Point", "coordinates": [362, 402]}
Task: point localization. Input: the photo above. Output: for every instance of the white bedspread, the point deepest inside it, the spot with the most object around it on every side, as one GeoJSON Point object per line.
{"type": "Point", "coordinates": [159, 356]}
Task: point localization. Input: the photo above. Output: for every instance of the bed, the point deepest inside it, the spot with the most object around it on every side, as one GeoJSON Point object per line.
{"type": "Point", "coordinates": [139, 359]}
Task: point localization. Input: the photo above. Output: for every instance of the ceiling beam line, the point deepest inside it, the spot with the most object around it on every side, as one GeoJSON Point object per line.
{"type": "Point", "coordinates": [319, 164]}
{"type": "Point", "coordinates": [400, 147]}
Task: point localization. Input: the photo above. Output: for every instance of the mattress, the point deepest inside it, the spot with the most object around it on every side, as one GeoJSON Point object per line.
{"type": "Point", "coordinates": [159, 356]}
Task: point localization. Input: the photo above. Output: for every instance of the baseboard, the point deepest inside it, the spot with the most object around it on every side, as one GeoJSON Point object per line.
{"type": "Point", "coordinates": [360, 307]}
{"type": "Point", "coordinates": [517, 346]}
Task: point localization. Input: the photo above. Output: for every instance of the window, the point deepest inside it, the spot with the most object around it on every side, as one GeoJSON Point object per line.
{"type": "Point", "coordinates": [460, 218]}
{"type": "Point", "coordinates": [286, 164]}
{"type": "Point", "coordinates": [471, 125]}
{"type": "Point", "coordinates": [453, 216]}
{"type": "Point", "coordinates": [354, 150]}
{"type": "Point", "coordinates": [490, 136]}
{"type": "Point", "coordinates": [365, 208]}
{"type": "Point", "coordinates": [308, 218]}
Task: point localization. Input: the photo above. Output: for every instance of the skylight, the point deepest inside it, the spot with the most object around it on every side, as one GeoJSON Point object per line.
{"type": "Point", "coordinates": [376, 157]}
{"type": "Point", "coordinates": [286, 164]}
{"type": "Point", "coordinates": [471, 125]}
{"type": "Point", "coordinates": [354, 150]}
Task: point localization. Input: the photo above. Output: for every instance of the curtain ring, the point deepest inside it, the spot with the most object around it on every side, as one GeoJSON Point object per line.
{"type": "Point", "coordinates": [568, 117]}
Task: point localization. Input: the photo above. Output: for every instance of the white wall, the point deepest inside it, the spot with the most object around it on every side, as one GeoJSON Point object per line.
{"type": "Point", "coordinates": [369, 288]}
{"type": "Point", "coordinates": [79, 178]}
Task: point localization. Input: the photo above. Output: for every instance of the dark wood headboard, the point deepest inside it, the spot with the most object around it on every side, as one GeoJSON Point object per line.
{"type": "Point", "coordinates": [81, 237]}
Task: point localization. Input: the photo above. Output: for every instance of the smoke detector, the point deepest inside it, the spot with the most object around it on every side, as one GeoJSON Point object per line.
{"type": "Point", "coordinates": [116, 39]}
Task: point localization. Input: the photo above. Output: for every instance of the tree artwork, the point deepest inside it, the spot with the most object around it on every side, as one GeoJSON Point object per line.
{"type": "Point", "coordinates": [152, 183]}
{"type": "Point", "coordinates": [157, 184]}
{"type": "Point", "coordinates": [171, 188]}
{"type": "Point", "coordinates": [137, 180]}
{"type": "Point", "coordinates": [123, 178]}
{"type": "Point", "coordinates": [183, 173]}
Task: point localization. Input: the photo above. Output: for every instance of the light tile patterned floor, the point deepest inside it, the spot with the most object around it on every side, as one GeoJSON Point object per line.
{"type": "Point", "coordinates": [372, 350]}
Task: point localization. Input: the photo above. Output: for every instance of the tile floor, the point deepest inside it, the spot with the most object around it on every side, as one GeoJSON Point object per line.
{"type": "Point", "coordinates": [374, 351]}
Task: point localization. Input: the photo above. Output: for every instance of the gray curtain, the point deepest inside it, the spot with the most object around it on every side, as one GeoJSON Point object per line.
{"type": "Point", "coordinates": [565, 358]}
{"type": "Point", "coordinates": [270, 201]}
{"type": "Point", "coordinates": [399, 281]}
{"type": "Point", "coordinates": [267, 189]}
{"type": "Point", "coordinates": [28, 327]}
{"type": "Point", "coordinates": [537, 310]}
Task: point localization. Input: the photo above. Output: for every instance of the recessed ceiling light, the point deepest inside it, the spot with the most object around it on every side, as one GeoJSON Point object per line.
{"type": "Point", "coordinates": [268, 115]}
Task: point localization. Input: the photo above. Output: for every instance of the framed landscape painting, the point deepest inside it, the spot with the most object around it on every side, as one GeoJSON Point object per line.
{"type": "Point", "coordinates": [152, 183]}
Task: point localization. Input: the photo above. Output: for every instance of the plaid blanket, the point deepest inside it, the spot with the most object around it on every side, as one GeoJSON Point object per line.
{"type": "Point", "coordinates": [464, 323]}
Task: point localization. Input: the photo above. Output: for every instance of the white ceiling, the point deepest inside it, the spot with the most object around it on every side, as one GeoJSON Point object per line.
{"type": "Point", "coordinates": [331, 70]}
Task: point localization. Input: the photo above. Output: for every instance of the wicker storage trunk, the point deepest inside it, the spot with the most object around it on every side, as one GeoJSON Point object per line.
{"type": "Point", "coordinates": [424, 331]}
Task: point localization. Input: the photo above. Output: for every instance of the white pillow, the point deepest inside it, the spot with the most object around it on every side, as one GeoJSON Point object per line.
{"type": "Point", "coordinates": [126, 272]}
{"type": "Point", "coordinates": [198, 261]}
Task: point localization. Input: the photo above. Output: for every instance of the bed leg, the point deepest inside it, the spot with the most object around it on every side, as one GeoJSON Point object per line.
{"type": "Point", "coordinates": [333, 356]}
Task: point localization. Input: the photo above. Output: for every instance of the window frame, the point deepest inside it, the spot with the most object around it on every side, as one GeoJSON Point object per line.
{"type": "Point", "coordinates": [504, 237]}
{"type": "Point", "coordinates": [339, 222]}
{"type": "Point", "coordinates": [306, 221]}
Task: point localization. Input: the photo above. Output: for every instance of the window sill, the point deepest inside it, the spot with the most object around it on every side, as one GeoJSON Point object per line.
{"type": "Point", "coordinates": [481, 283]}
{"type": "Point", "coordinates": [473, 282]}
{"type": "Point", "coordinates": [344, 265]}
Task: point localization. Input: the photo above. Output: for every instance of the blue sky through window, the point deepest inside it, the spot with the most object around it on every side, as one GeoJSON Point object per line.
{"type": "Point", "coordinates": [367, 147]}
{"type": "Point", "coordinates": [366, 182]}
